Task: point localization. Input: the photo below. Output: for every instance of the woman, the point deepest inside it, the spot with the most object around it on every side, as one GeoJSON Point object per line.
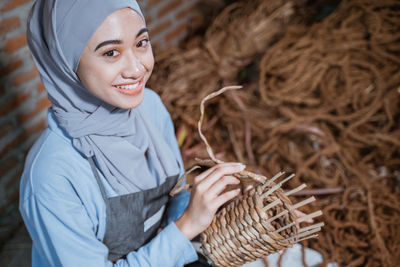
{"type": "Point", "coordinates": [94, 191]}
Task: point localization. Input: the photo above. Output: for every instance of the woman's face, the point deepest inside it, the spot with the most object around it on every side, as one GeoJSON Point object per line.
{"type": "Point", "coordinates": [118, 60]}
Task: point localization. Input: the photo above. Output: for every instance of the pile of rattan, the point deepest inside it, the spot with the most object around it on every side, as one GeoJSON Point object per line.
{"type": "Point", "coordinates": [334, 88]}
{"type": "Point", "coordinates": [324, 103]}
{"type": "Point", "coordinates": [243, 29]}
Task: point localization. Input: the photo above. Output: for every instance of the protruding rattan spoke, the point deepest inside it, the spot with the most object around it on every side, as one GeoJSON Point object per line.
{"type": "Point", "coordinates": [303, 234]}
{"type": "Point", "coordinates": [297, 189]}
{"type": "Point", "coordinates": [267, 183]}
{"type": "Point", "coordinates": [272, 204]}
{"type": "Point", "coordinates": [274, 188]}
{"type": "Point", "coordinates": [277, 216]}
{"type": "Point", "coordinates": [309, 216]}
{"type": "Point", "coordinates": [311, 227]}
{"type": "Point", "coordinates": [307, 237]}
{"type": "Point", "coordinates": [284, 227]}
{"type": "Point", "coordinates": [302, 203]}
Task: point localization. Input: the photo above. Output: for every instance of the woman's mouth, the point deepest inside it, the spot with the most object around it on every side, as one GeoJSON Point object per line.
{"type": "Point", "coordinates": [130, 88]}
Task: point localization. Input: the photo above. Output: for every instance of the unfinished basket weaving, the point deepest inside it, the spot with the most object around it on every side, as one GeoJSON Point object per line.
{"type": "Point", "coordinates": [259, 223]}
{"type": "Point", "coordinates": [256, 224]}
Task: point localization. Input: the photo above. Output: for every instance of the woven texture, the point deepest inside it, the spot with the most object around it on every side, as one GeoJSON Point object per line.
{"type": "Point", "coordinates": [260, 222]}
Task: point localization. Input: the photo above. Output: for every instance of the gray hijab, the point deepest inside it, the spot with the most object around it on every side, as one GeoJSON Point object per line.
{"type": "Point", "coordinates": [130, 151]}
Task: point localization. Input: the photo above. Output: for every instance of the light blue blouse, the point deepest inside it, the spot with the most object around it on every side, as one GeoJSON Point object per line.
{"type": "Point", "coordinates": [65, 214]}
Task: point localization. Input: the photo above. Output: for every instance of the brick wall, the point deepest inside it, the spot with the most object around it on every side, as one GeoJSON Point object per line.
{"type": "Point", "coordinates": [23, 100]}
{"type": "Point", "coordinates": [22, 108]}
{"type": "Point", "coordinates": [168, 20]}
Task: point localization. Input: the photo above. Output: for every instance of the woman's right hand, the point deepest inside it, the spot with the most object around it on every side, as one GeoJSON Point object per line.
{"type": "Point", "coordinates": [207, 197]}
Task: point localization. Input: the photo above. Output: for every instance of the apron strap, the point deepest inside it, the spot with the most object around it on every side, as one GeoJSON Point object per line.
{"type": "Point", "coordinates": [96, 174]}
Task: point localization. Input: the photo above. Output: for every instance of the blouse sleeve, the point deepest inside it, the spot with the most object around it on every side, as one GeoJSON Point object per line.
{"type": "Point", "coordinates": [63, 235]}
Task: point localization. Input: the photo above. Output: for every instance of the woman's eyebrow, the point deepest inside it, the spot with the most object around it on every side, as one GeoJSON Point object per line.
{"type": "Point", "coordinates": [108, 42]}
{"type": "Point", "coordinates": [141, 31]}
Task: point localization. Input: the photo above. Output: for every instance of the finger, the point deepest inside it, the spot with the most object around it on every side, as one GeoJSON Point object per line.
{"type": "Point", "coordinates": [217, 173]}
{"type": "Point", "coordinates": [206, 173]}
{"type": "Point", "coordinates": [219, 186]}
{"type": "Point", "coordinates": [225, 197]}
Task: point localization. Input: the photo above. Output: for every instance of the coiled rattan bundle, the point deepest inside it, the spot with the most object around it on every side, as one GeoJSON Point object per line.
{"type": "Point", "coordinates": [260, 222]}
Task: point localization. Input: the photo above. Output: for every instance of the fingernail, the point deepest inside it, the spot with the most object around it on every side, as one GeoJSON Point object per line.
{"type": "Point", "coordinates": [241, 165]}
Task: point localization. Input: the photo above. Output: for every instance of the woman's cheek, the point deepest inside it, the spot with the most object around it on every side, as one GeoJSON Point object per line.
{"type": "Point", "coordinates": [148, 60]}
{"type": "Point", "coordinates": [109, 73]}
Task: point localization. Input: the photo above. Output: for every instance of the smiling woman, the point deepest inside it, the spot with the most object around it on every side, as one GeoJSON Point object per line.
{"type": "Point", "coordinates": [118, 60]}
{"type": "Point", "coordinates": [95, 187]}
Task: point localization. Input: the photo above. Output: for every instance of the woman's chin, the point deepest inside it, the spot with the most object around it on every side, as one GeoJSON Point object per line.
{"type": "Point", "coordinates": [129, 102]}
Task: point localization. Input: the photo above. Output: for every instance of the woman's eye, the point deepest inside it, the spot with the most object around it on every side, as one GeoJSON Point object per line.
{"type": "Point", "coordinates": [111, 53]}
{"type": "Point", "coordinates": [143, 43]}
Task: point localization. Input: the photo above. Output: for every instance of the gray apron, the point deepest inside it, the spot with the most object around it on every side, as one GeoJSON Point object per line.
{"type": "Point", "coordinates": [132, 220]}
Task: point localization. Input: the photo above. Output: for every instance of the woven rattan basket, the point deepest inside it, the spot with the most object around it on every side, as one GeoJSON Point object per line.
{"type": "Point", "coordinates": [259, 223]}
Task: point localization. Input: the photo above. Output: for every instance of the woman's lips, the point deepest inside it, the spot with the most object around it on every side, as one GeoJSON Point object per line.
{"type": "Point", "coordinates": [130, 88]}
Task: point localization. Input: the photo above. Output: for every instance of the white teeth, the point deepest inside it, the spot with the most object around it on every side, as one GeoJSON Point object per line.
{"type": "Point", "coordinates": [128, 87]}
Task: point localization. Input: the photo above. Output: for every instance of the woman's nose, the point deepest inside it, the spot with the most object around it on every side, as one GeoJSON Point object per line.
{"type": "Point", "coordinates": [133, 68]}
